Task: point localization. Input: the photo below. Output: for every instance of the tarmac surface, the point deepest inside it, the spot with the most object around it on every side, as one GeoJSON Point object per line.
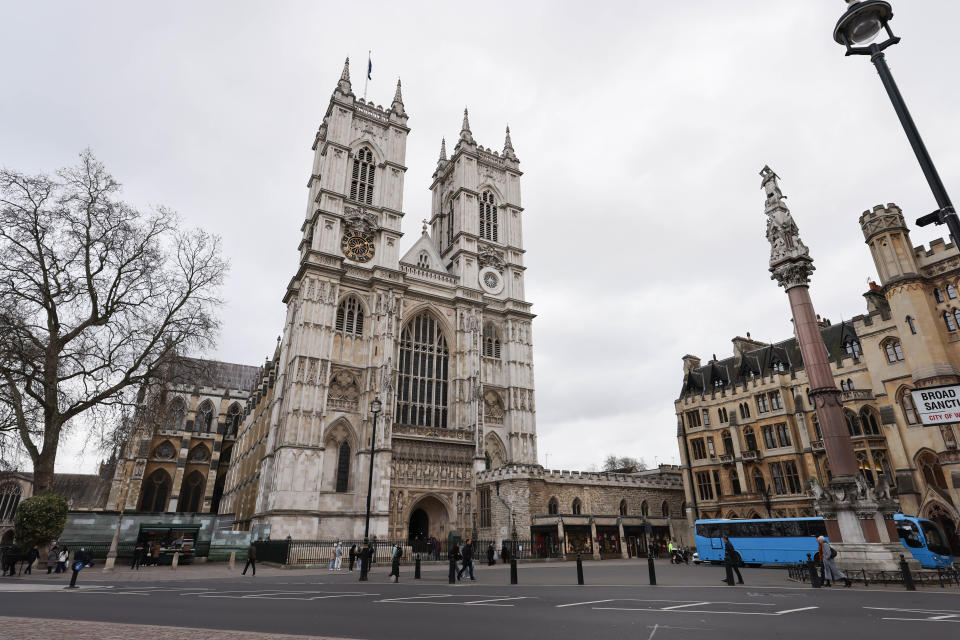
{"type": "Point", "coordinates": [209, 601]}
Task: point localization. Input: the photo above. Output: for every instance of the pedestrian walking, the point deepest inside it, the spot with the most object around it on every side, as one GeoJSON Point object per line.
{"type": "Point", "coordinates": [5, 552]}
{"type": "Point", "coordinates": [466, 556]}
{"type": "Point", "coordinates": [731, 560]}
{"type": "Point", "coordinates": [830, 571]}
{"type": "Point", "coordinates": [490, 555]}
{"type": "Point", "coordinates": [504, 554]}
{"type": "Point", "coordinates": [251, 559]}
{"type": "Point", "coordinates": [62, 559]}
{"type": "Point", "coordinates": [137, 556]}
{"type": "Point", "coordinates": [353, 555]}
{"type": "Point", "coordinates": [366, 556]}
{"type": "Point", "coordinates": [32, 557]}
{"type": "Point", "coordinates": [52, 558]}
{"type": "Point", "coordinates": [395, 562]}
{"type": "Point", "coordinates": [338, 553]}
{"type": "Point", "coordinates": [673, 560]}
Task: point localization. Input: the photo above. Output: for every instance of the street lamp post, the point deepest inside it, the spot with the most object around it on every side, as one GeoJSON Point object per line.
{"type": "Point", "coordinates": [375, 408]}
{"type": "Point", "coordinates": [856, 29]}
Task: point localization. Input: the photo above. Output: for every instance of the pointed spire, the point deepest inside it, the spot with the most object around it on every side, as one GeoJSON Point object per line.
{"type": "Point", "coordinates": [344, 84]}
{"type": "Point", "coordinates": [397, 106]}
{"type": "Point", "coordinates": [443, 150]}
{"type": "Point", "coordinates": [508, 151]}
{"type": "Point", "coordinates": [465, 133]}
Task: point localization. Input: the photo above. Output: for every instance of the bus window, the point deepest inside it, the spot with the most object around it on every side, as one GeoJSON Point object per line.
{"type": "Point", "coordinates": [934, 536]}
{"type": "Point", "coordinates": [791, 528]}
{"type": "Point", "coordinates": [908, 532]}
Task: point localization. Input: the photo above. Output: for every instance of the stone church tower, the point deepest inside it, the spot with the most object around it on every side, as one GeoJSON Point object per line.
{"type": "Point", "coordinates": [441, 335]}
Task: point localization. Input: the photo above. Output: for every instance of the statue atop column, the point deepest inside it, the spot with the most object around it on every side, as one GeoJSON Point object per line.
{"type": "Point", "coordinates": [790, 261]}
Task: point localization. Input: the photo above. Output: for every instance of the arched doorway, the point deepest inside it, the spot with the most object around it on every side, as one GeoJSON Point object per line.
{"type": "Point", "coordinates": [429, 518]}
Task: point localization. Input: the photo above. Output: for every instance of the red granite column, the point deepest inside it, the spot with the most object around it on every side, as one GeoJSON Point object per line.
{"type": "Point", "coordinates": [823, 391]}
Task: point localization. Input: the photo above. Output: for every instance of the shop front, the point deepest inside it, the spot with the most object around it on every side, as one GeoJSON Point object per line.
{"type": "Point", "coordinates": [578, 540]}
{"type": "Point", "coordinates": [608, 540]}
{"type": "Point", "coordinates": [162, 541]}
{"type": "Point", "coordinates": [546, 542]}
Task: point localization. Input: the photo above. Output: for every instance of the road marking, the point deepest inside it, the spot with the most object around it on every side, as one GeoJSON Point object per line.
{"type": "Point", "coordinates": [577, 604]}
{"type": "Point", "coordinates": [780, 613]}
{"type": "Point", "coordinates": [652, 632]}
{"type": "Point", "coordinates": [488, 602]}
{"type": "Point", "coordinates": [681, 606]}
{"type": "Point", "coordinates": [939, 611]}
{"type": "Point", "coordinates": [922, 619]}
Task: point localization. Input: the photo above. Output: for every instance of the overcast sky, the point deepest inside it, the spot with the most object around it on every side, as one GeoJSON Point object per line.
{"type": "Point", "coordinates": [641, 127]}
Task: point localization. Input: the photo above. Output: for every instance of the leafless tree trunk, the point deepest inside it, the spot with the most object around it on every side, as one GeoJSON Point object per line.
{"type": "Point", "coordinates": [94, 297]}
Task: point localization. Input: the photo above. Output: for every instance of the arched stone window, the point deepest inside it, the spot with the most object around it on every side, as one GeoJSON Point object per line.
{"type": "Point", "coordinates": [911, 325]}
{"type": "Point", "coordinates": [450, 225]}
{"type": "Point", "coordinates": [10, 494]}
{"type": "Point", "coordinates": [491, 342]}
{"type": "Point", "coordinates": [488, 217]}
{"type": "Point", "coordinates": [758, 483]}
{"type": "Point", "coordinates": [204, 421]}
{"type": "Point", "coordinates": [199, 454]}
{"type": "Point", "coordinates": [423, 260]}
{"type": "Point", "coordinates": [949, 320]}
{"type": "Point", "coordinates": [176, 413]}
{"type": "Point", "coordinates": [937, 295]}
{"type": "Point", "coordinates": [929, 466]}
{"type": "Point", "coordinates": [665, 509]}
{"type": "Point", "coordinates": [234, 418]}
{"type": "Point", "coordinates": [350, 316]}
{"type": "Point", "coordinates": [864, 468]}
{"type": "Point", "coordinates": [191, 492]}
{"type": "Point", "coordinates": [623, 507]}
{"type": "Point", "coordinates": [853, 423]}
{"type": "Point", "coordinates": [816, 426]}
{"type": "Point", "coordinates": [882, 466]}
{"type": "Point", "coordinates": [735, 482]}
{"type": "Point", "coordinates": [951, 292]}
{"type": "Point", "coordinates": [750, 439]}
{"type": "Point", "coordinates": [553, 506]}
{"type": "Point", "coordinates": [727, 440]}
{"type": "Point", "coordinates": [156, 490]}
{"type": "Point", "coordinates": [165, 450]}
{"type": "Point", "coordinates": [893, 350]}
{"type": "Point", "coordinates": [852, 347]}
{"type": "Point", "coordinates": [361, 181]}
{"type": "Point", "coordinates": [843, 385]}
{"type": "Point", "coordinates": [908, 407]}
{"type": "Point", "coordinates": [422, 384]}
{"type": "Point", "coordinates": [868, 419]}
{"type": "Point", "coordinates": [343, 467]}
{"type": "Point", "coordinates": [576, 507]}
{"type": "Point", "coordinates": [644, 508]}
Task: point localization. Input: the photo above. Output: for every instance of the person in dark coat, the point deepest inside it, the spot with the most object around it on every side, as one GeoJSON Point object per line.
{"type": "Point", "coordinates": [52, 557]}
{"type": "Point", "coordinates": [395, 562]}
{"type": "Point", "coordinates": [32, 556]}
{"type": "Point", "coordinates": [352, 556]}
{"type": "Point", "coordinates": [490, 555]}
{"type": "Point", "coordinates": [467, 556]}
{"type": "Point", "coordinates": [731, 560]}
{"type": "Point", "coordinates": [366, 554]}
{"type": "Point", "coordinates": [504, 554]}
{"type": "Point", "coordinates": [251, 559]}
{"type": "Point", "coordinates": [137, 556]}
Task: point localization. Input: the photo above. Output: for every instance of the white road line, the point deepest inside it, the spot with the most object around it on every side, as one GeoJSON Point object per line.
{"type": "Point", "coordinates": [577, 604]}
{"type": "Point", "coordinates": [652, 632]}
{"type": "Point", "coordinates": [780, 613]}
{"type": "Point", "coordinates": [949, 615]}
{"type": "Point", "coordinates": [922, 620]}
{"type": "Point", "coordinates": [423, 597]}
{"type": "Point", "coordinates": [735, 613]}
{"type": "Point", "coordinates": [940, 611]}
{"type": "Point", "coordinates": [681, 606]}
{"type": "Point", "coordinates": [487, 602]}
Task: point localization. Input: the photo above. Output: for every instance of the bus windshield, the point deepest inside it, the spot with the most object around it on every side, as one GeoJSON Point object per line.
{"type": "Point", "coordinates": [935, 538]}
{"type": "Point", "coordinates": [909, 534]}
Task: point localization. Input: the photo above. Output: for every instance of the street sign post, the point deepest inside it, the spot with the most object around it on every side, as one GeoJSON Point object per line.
{"type": "Point", "coordinates": [937, 405]}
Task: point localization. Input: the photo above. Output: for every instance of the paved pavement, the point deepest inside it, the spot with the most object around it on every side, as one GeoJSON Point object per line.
{"type": "Point", "coordinates": [689, 602]}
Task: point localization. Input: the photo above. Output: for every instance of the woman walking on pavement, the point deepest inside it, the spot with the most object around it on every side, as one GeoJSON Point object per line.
{"type": "Point", "coordinates": [251, 559]}
{"type": "Point", "coordinates": [490, 554]}
{"type": "Point", "coordinates": [353, 556]}
{"type": "Point", "coordinates": [731, 560]}
{"type": "Point", "coordinates": [52, 557]}
{"type": "Point", "coordinates": [830, 570]}
{"type": "Point", "coordinates": [339, 554]}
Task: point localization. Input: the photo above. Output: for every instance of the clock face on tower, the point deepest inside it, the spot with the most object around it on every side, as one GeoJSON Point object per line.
{"type": "Point", "coordinates": [358, 245]}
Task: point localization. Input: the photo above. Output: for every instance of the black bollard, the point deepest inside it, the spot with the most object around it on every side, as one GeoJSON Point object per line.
{"type": "Point", "coordinates": [513, 570]}
{"type": "Point", "coordinates": [651, 568]}
{"type": "Point", "coordinates": [812, 570]}
{"type": "Point", "coordinates": [453, 571]}
{"type": "Point", "coordinates": [579, 569]}
{"type": "Point", "coordinates": [416, 568]}
{"type": "Point", "coordinates": [907, 578]}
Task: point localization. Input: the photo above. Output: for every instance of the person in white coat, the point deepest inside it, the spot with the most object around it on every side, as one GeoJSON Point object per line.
{"type": "Point", "coordinates": [830, 571]}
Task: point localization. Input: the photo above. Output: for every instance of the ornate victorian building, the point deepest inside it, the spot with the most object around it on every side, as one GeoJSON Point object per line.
{"type": "Point", "coordinates": [441, 335]}
{"type": "Point", "coordinates": [748, 433]}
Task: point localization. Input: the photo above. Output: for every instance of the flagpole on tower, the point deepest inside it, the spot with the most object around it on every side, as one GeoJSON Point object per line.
{"type": "Point", "coordinates": [369, 69]}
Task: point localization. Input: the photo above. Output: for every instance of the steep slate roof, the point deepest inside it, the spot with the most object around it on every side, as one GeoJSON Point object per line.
{"type": "Point", "coordinates": [82, 490]}
{"type": "Point", "coordinates": [760, 362]}
{"type": "Point", "coordinates": [216, 374]}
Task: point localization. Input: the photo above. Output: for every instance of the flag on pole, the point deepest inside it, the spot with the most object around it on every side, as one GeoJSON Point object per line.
{"type": "Point", "coordinates": [369, 67]}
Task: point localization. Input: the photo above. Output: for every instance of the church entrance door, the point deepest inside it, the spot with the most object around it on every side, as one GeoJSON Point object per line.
{"type": "Point", "coordinates": [419, 525]}
{"type": "Point", "coordinates": [428, 519]}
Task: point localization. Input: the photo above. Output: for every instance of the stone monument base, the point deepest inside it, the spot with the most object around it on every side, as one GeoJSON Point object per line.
{"type": "Point", "coordinates": [872, 556]}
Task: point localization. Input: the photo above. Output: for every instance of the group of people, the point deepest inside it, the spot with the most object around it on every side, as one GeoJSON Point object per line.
{"type": "Point", "coordinates": [829, 572]}
{"type": "Point", "coordinates": [16, 562]}
{"type": "Point", "coordinates": [464, 554]}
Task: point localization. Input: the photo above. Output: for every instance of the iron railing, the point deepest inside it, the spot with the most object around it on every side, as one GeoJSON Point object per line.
{"type": "Point", "coordinates": [928, 577]}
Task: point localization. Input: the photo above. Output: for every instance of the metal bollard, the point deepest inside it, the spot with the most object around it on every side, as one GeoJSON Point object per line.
{"type": "Point", "coordinates": [416, 568]}
{"type": "Point", "coordinates": [651, 568]}
{"type": "Point", "coordinates": [513, 570]}
{"type": "Point", "coordinates": [233, 560]}
{"type": "Point", "coordinates": [812, 570]}
{"type": "Point", "coordinates": [453, 571]}
{"type": "Point", "coordinates": [579, 569]}
{"type": "Point", "coordinates": [907, 578]}
{"type": "Point", "coordinates": [176, 560]}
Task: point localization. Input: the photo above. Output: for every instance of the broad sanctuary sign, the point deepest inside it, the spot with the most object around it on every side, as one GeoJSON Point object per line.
{"type": "Point", "coordinates": [938, 405]}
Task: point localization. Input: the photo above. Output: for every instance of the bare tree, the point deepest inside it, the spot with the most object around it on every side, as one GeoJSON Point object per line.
{"type": "Point", "coordinates": [624, 464]}
{"type": "Point", "coordinates": [95, 296]}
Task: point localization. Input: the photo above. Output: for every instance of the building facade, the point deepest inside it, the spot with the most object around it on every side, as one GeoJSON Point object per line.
{"type": "Point", "coordinates": [748, 435]}
{"type": "Point", "coordinates": [441, 335]}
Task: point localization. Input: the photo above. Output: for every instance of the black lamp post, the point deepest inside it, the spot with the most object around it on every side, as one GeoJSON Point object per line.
{"type": "Point", "coordinates": [856, 29]}
{"type": "Point", "coordinates": [375, 408]}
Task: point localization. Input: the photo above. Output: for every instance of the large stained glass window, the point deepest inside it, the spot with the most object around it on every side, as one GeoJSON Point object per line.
{"type": "Point", "coordinates": [422, 390]}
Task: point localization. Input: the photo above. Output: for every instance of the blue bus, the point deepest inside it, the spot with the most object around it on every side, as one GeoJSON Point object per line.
{"type": "Point", "coordinates": [789, 540]}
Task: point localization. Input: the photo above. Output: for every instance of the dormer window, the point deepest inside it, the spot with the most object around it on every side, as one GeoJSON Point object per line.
{"type": "Point", "coordinates": [778, 366]}
{"type": "Point", "coordinates": [852, 347]}
{"type": "Point", "coordinates": [424, 260]}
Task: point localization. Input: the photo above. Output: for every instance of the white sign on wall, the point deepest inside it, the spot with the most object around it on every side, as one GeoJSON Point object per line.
{"type": "Point", "coordinates": [938, 405]}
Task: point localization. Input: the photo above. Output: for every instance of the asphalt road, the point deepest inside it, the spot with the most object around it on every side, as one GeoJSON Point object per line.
{"type": "Point", "coordinates": [691, 603]}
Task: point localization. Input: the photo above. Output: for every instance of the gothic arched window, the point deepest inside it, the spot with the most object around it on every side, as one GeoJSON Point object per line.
{"type": "Point", "coordinates": [665, 509]}
{"type": "Point", "coordinates": [863, 466]}
{"type": "Point", "coordinates": [853, 423]}
{"type": "Point", "coordinates": [951, 292]}
{"type": "Point", "coordinates": [191, 493]}
{"type": "Point", "coordinates": [913, 328]}
{"type": "Point", "coordinates": [644, 508]}
{"type": "Point", "coordinates": [176, 413]}
{"type": "Point", "coordinates": [350, 316]}
{"type": "Point", "coordinates": [852, 346]}
{"type": "Point", "coordinates": [423, 260]}
{"type": "Point", "coordinates": [623, 507]}
{"type": "Point", "coordinates": [450, 226]}
{"type": "Point", "coordinates": [893, 350]}
{"type": "Point", "coordinates": [204, 420]}
{"type": "Point", "coordinates": [491, 342]}
{"type": "Point", "coordinates": [488, 217]}
{"type": "Point", "coordinates": [553, 506]}
{"type": "Point", "coordinates": [156, 490]}
{"type": "Point", "coordinates": [868, 419]}
{"type": "Point", "coordinates": [735, 482]}
{"type": "Point", "coordinates": [361, 182]}
{"type": "Point", "coordinates": [750, 439]}
{"type": "Point", "coordinates": [929, 466]}
{"type": "Point", "coordinates": [908, 407]}
{"type": "Point", "coordinates": [10, 494]}
{"type": "Point", "coordinates": [937, 295]}
{"type": "Point", "coordinates": [422, 384]}
{"type": "Point", "coordinates": [577, 507]}
{"type": "Point", "coordinates": [234, 418]}
{"type": "Point", "coordinates": [949, 320]}
{"type": "Point", "coordinates": [758, 482]}
{"type": "Point", "coordinates": [343, 468]}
